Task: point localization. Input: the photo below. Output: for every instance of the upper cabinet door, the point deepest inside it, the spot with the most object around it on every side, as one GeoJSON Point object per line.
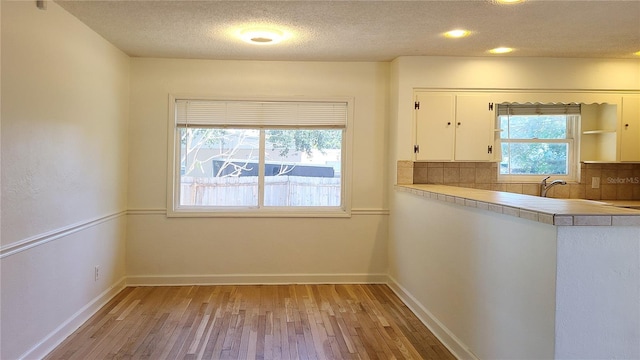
{"type": "Point", "coordinates": [435, 126]}
{"type": "Point", "coordinates": [474, 128]}
{"type": "Point", "coordinates": [630, 128]}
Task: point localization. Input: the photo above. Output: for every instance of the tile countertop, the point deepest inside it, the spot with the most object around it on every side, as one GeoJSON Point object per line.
{"type": "Point", "coordinates": [561, 212]}
{"type": "Point", "coordinates": [634, 204]}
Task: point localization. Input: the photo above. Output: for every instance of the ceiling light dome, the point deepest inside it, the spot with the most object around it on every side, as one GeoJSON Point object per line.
{"type": "Point", "coordinates": [262, 36]}
{"type": "Point", "coordinates": [501, 50]}
{"type": "Point", "coordinates": [457, 33]}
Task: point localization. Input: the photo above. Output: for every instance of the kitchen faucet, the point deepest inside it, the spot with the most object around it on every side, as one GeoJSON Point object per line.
{"type": "Point", "coordinates": [544, 187]}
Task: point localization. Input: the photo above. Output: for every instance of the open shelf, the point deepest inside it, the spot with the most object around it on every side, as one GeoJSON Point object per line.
{"type": "Point", "coordinates": [593, 132]}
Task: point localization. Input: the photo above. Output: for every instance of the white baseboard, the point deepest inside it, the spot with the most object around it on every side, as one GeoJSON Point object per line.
{"type": "Point", "coordinates": [455, 345]}
{"type": "Point", "coordinates": [255, 279]}
{"type": "Point", "coordinates": [57, 336]}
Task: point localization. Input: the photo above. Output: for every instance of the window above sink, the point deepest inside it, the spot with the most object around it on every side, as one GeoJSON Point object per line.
{"type": "Point", "coordinates": [538, 140]}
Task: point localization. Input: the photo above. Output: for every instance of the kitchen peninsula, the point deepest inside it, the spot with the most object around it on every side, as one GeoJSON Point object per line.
{"type": "Point", "coordinates": [517, 276]}
{"type": "Point", "coordinates": [563, 212]}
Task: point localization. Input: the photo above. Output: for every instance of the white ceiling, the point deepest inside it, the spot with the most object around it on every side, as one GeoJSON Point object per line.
{"type": "Point", "coordinates": [365, 30]}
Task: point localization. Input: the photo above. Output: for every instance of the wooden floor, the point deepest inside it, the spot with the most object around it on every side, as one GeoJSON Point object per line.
{"type": "Point", "coordinates": [253, 322]}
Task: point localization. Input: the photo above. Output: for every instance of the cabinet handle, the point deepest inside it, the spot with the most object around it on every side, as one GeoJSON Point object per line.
{"type": "Point", "coordinates": [449, 123]}
{"type": "Point", "coordinates": [459, 123]}
{"type": "Point", "coordinates": [626, 125]}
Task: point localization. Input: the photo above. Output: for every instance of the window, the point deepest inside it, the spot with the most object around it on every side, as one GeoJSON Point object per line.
{"type": "Point", "coordinates": [538, 140]}
{"type": "Point", "coordinates": [259, 157]}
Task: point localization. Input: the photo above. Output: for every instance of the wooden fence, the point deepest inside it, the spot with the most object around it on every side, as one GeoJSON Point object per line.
{"type": "Point", "coordinates": [243, 191]}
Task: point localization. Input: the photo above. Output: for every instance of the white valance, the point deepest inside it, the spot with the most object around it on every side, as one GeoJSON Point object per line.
{"type": "Point", "coordinates": [260, 114]}
{"type": "Point", "coordinates": [538, 109]}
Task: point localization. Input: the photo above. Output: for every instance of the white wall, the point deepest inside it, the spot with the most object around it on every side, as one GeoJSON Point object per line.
{"type": "Point", "coordinates": [163, 250]}
{"type": "Point", "coordinates": [598, 287]}
{"type": "Point", "coordinates": [64, 142]}
{"type": "Point", "coordinates": [484, 282]}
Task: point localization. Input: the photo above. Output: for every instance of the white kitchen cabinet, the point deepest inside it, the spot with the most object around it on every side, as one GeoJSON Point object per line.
{"type": "Point", "coordinates": [475, 123]}
{"type": "Point", "coordinates": [435, 116]}
{"type": "Point", "coordinates": [453, 126]}
{"type": "Point", "coordinates": [630, 128]}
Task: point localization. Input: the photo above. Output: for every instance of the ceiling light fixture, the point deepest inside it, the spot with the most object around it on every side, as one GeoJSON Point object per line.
{"type": "Point", "coordinates": [262, 36]}
{"type": "Point", "coordinates": [509, 2]}
{"type": "Point", "coordinates": [637, 53]}
{"type": "Point", "coordinates": [458, 33]}
{"type": "Point", "coordinates": [501, 50]}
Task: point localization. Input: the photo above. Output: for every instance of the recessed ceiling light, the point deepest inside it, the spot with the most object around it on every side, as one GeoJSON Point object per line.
{"type": "Point", "coordinates": [262, 36]}
{"type": "Point", "coordinates": [501, 50]}
{"type": "Point", "coordinates": [458, 33]}
{"type": "Point", "coordinates": [637, 53]}
{"type": "Point", "coordinates": [509, 1]}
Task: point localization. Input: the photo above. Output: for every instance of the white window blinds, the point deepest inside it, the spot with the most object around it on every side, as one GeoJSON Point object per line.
{"type": "Point", "coordinates": [214, 113]}
{"type": "Point", "coordinates": [538, 109]}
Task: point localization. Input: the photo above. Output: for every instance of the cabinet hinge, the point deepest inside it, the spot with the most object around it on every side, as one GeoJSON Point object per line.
{"type": "Point", "coordinates": [490, 106]}
{"type": "Point", "coordinates": [416, 149]}
{"type": "Point", "coordinates": [416, 105]}
{"type": "Point", "coordinates": [489, 149]}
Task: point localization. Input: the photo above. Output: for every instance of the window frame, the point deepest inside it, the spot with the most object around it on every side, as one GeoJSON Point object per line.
{"type": "Point", "coordinates": [174, 209]}
{"type": "Point", "coordinates": [573, 156]}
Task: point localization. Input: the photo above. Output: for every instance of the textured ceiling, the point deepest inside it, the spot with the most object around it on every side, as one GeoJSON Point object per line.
{"type": "Point", "coordinates": [365, 30]}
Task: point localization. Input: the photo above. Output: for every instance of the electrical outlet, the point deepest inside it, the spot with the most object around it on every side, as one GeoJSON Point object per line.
{"type": "Point", "coordinates": [96, 273]}
{"type": "Point", "coordinates": [595, 182]}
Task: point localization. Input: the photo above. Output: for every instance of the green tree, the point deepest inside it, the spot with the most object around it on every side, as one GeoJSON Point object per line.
{"type": "Point", "coordinates": [304, 140]}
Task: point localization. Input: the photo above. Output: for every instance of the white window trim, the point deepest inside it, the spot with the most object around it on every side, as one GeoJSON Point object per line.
{"type": "Point", "coordinates": [573, 176]}
{"type": "Point", "coordinates": [173, 169]}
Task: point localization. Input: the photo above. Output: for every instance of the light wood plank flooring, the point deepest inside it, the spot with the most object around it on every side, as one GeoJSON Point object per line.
{"type": "Point", "coordinates": [253, 322]}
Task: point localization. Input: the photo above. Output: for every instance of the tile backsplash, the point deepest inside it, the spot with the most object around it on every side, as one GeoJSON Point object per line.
{"type": "Point", "coordinates": [618, 181]}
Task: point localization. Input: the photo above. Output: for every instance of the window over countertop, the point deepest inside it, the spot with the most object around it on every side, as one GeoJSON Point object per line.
{"type": "Point", "coordinates": [273, 157]}
{"type": "Point", "coordinates": [538, 140]}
